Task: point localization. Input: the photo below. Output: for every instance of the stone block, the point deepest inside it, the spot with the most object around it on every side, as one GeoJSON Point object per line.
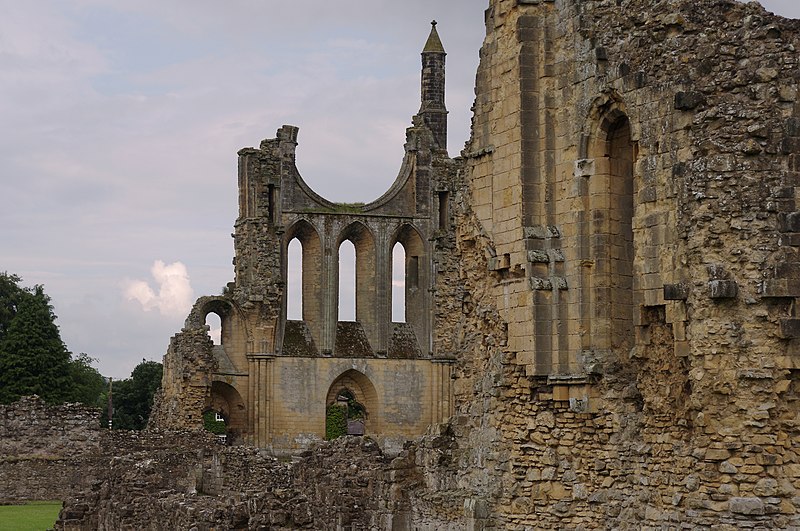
{"type": "Point", "coordinates": [584, 168]}
{"type": "Point", "coordinates": [717, 454]}
{"type": "Point", "coordinates": [560, 392]}
{"type": "Point", "coordinates": [748, 506]}
{"type": "Point", "coordinates": [787, 269]}
{"type": "Point", "coordinates": [538, 257]}
{"type": "Point", "coordinates": [682, 349]}
{"type": "Point", "coordinates": [723, 289]}
{"type": "Point", "coordinates": [648, 194]}
{"type": "Point", "coordinates": [790, 222]}
{"type": "Point", "coordinates": [789, 328]}
{"type": "Point", "coordinates": [497, 263]}
{"type": "Point", "coordinates": [686, 101]}
{"type": "Point", "coordinates": [781, 287]}
{"type": "Point", "coordinates": [540, 283]}
{"type": "Point", "coordinates": [540, 232]}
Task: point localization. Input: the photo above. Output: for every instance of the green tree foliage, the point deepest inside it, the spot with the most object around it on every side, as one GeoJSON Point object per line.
{"type": "Point", "coordinates": [10, 295]}
{"type": "Point", "coordinates": [33, 359]}
{"type": "Point", "coordinates": [335, 421]}
{"type": "Point", "coordinates": [210, 423]}
{"type": "Point", "coordinates": [132, 398]}
{"type": "Point", "coordinates": [88, 385]}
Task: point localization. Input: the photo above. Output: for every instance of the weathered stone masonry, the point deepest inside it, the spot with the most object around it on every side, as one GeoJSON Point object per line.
{"type": "Point", "coordinates": [632, 179]}
{"type": "Point", "coordinates": [272, 377]}
{"type": "Point", "coordinates": [616, 289]}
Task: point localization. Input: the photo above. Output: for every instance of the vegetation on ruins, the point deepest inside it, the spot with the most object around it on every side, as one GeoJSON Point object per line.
{"type": "Point", "coordinates": [335, 421]}
{"type": "Point", "coordinates": [33, 358]}
{"type": "Point", "coordinates": [338, 413]}
{"type": "Point", "coordinates": [211, 424]}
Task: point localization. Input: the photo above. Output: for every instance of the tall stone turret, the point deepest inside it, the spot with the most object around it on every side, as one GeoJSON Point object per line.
{"type": "Point", "coordinates": [432, 110]}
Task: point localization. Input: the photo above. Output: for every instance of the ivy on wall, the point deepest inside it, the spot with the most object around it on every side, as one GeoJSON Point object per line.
{"type": "Point", "coordinates": [335, 421]}
{"type": "Point", "coordinates": [210, 423]}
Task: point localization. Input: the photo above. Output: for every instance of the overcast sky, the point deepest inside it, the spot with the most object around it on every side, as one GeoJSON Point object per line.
{"type": "Point", "coordinates": [122, 119]}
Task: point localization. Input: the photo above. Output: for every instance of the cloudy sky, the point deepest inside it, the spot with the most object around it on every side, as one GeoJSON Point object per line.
{"type": "Point", "coordinates": [122, 119]}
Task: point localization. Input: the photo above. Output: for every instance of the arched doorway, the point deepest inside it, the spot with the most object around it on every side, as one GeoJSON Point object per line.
{"type": "Point", "coordinates": [351, 406]}
{"type": "Point", "coordinates": [228, 406]}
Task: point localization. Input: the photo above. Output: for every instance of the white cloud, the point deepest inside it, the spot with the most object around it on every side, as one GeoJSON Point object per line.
{"type": "Point", "coordinates": [174, 297]}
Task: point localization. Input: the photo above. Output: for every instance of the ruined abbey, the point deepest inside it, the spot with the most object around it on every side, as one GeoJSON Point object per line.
{"type": "Point", "coordinates": [601, 327]}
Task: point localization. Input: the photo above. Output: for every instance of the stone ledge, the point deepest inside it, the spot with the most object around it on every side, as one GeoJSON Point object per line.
{"type": "Point", "coordinates": [780, 288]}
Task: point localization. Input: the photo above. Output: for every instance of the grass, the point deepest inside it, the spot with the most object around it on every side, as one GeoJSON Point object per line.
{"type": "Point", "coordinates": [33, 516]}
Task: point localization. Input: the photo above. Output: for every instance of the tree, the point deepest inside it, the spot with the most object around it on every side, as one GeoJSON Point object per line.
{"type": "Point", "coordinates": [33, 359]}
{"type": "Point", "coordinates": [10, 295]}
{"type": "Point", "coordinates": [87, 384]}
{"type": "Point", "coordinates": [133, 397]}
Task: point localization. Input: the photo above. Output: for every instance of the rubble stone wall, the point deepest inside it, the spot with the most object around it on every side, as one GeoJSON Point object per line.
{"type": "Point", "coordinates": [579, 407]}
{"type": "Point", "coordinates": [45, 449]}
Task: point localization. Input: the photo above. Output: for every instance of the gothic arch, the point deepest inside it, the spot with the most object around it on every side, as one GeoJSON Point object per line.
{"type": "Point", "coordinates": [225, 308]}
{"type": "Point", "coordinates": [364, 392]}
{"type": "Point", "coordinates": [416, 275]}
{"type": "Point", "coordinates": [363, 240]}
{"type": "Point", "coordinates": [312, 285]}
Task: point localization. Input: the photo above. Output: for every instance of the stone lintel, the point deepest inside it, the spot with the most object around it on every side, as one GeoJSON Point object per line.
{"type": "Point", "coordinates": [261, 356]}
{"type": "Point", "coordinates": [568, 379]}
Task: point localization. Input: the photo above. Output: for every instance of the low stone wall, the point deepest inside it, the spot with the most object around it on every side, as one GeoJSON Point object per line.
{"type": "Point", "coordinates": [342, 484]}
{"type": "Point", "coordinates": [52, 452]}
{"type": "Point", "coordinates": [47, 452]}
{"type": "Point", "coordinates": [32, 428]}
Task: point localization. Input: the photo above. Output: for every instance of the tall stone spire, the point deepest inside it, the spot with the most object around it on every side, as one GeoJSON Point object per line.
{"type": "Point", "coordinates": [432, 110]}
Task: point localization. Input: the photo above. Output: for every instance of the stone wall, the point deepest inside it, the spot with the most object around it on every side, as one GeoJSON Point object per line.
{"type": "Point", "coordinates": [338, 485]}
{"type": "Point", "coordinates": [45, 449]}
{"type": "Point", "coordinates": [673, 405]}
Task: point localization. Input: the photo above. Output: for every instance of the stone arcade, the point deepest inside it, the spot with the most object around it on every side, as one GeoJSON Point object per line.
{"type": "Point", "coordinates": [607, 334]}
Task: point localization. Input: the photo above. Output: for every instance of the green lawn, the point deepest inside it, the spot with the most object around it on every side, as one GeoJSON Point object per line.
{"type": "Point", "coordinates": [33, 516]}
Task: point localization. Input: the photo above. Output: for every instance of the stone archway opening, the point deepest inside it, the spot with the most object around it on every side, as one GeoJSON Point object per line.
{"type": "Point", "coordinates": [228, 407]}
{"type": "Point", "coordinates": [351, 406]}
{"type": "Point", "coordinates": [611, 194]}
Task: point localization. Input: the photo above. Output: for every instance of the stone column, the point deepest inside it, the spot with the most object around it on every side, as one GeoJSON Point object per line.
{"type": "Point", "coordinates": [441, 388]}
{"type": "Point", "coordinates": [260, 398]}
